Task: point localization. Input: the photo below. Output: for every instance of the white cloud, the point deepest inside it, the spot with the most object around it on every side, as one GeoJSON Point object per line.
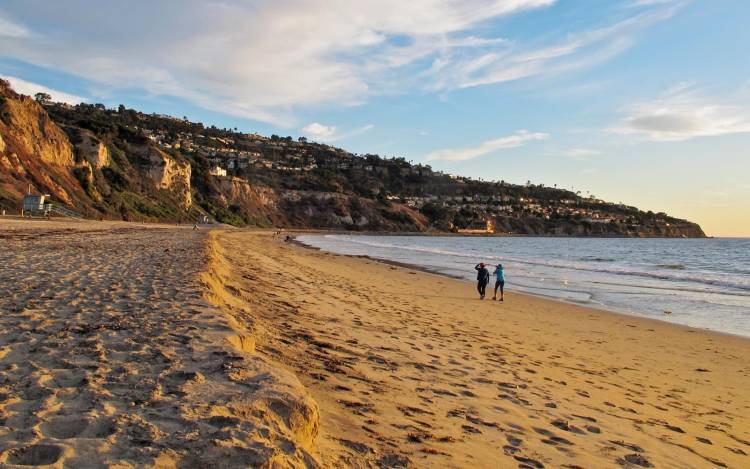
{"type": "Point", "coordinates": [682, 113]}
{"type": "Point", "coordinates": [581, 153]}
{"type": "Point", "coordinates": [329, 133]}
{"type": "Point", "coordinates": [30, 89]}
{"type": "Point", "coordinates": [266, 59]}
{"type": "Point", "coordinates": [518, 139]}
{"type": "Point", "coordinates": [11, 29]}
{"type": "Point", "coordinates": [514, 62]}
{"type": "Point", "coordinates": [319, 131]}
{"type": "Point", "coordinates": [643, 3]}
{"type": "Point", "coordinates": [260, 59]}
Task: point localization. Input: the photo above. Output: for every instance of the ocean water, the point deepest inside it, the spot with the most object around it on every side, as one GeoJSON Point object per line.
{"type": "Point", "coordinates": [702, 283]}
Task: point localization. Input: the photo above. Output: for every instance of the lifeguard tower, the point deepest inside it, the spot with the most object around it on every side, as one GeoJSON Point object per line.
{"type": "Point", "coordinates": [40, 205]}
{"type": "Point", "coordinates": [35, 205]}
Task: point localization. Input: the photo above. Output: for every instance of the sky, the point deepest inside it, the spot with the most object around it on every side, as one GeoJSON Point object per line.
{"type": "Point", "coordinates": [645, 102]}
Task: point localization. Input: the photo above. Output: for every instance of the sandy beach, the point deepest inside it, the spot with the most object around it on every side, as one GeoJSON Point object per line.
{"type": "Point", "coordinates": [111, 356]}
{"type": "Point", "coordinates": [153, 346]}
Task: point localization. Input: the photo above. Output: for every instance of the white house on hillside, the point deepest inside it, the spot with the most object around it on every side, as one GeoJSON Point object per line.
{"type": "Point", "coordinates": [217, 171]}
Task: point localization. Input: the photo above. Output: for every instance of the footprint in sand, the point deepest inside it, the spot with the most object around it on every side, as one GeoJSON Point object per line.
{"type": "Point", "coordinates": [528, 463]}
{"type": "Point", "coordinates": [64, 428]}
{"type": "Point", "coordinates": [634, 459]}
{"type": "Point", "coordinates": [34, 455]}
{"type": "Point", "coordinates": [563, 425]}
{"type": "Point", "coordinates": [513, 446]}
{"type": "Point", "coordinates": [222, 421]}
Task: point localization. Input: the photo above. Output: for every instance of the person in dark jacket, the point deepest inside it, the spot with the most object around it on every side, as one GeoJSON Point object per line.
{"type": "Point", "coordinates": [483, 278]}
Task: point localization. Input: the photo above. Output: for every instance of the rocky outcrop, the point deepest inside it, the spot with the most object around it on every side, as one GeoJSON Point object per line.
{"type": "Point", "coordinates": [536, 226]}
{"type": "Point", "coordinates": [93, 150]}
{"type": "Point", "coordinates": [236, 191]}
{"type": "Point", "coordinates": [32, 132]}
{"type": "Point", "coordinates": [263, 206]}
{"type": "Point", "coordinates": [681, 230]}
{"type": "Point", "coordinates": [99, 173]}
{"type": "Point", "coordinates": [238, 198]}
{"type": "Point", "coordinates": [169, 173]}
{"type": "Point", "coordinates": [104, 163]}
{"type": "Point", "coordinates": [34, 152]}
{"type": "Point", "coordinates": [312, 209]}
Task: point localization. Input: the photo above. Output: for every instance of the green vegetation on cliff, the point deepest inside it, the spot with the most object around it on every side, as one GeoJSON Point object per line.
{"type": "Point", "coordinates": [130, 165]}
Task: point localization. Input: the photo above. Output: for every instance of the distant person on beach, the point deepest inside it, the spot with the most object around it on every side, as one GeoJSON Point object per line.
{"type": "Point", "coordinates": [499, 281]}
{"type": "Point", "coordinates": [483, 278]}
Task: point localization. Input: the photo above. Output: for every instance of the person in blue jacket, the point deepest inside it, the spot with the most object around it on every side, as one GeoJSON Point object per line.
{"type": "Point", "coordinates": [499, 281]}
{"type": "Point", "coordinates": [483, 278]}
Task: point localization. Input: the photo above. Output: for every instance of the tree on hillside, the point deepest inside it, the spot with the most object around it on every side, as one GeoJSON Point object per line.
{"type": "Point", "coordinates": [42, 98]}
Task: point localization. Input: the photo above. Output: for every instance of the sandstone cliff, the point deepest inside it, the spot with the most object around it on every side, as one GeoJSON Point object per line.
{"type": "Point", "coordinates": [347, 212]}
{"type": "Point", "coordinates": [122, 164]}
{"type": "Point", "coordinates": [168, 173]}
{"type": "Point", "coordinates": [535, 226]}
{"type": "Point", "coordinates": [255, 203]}
{"type": "Point", "coordinates": [29, 128]}
{"type": "Point", "coordinates": [97, 172]}
{"type": "Point", "coordinates": [34, 151]}
{"type": "Point", "coordinates": [264, 206]}
{"type": "Point", "coordinates": [93, 150]}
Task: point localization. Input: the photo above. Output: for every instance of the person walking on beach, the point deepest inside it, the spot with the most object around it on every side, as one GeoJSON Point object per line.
{"type": "Point", "coordinates": [499, 281]}
{"type": "Point", "coordinates": [483, 278]}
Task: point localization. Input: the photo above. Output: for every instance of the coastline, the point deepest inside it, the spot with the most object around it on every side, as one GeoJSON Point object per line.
{"type": "Point", "coordinates": [600, 308]}
{"type": "Point", "coordinates": [398, 358]}
{"type": "Point", "coordinates": [232, 347]}
{"type": "Point", "coordinates": [448, 234]}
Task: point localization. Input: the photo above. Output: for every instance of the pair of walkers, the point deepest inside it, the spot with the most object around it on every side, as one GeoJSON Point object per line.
{"type": "Point", "coordinates": [483, 278]}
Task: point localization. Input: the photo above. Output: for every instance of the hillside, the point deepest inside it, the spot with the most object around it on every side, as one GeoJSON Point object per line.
{"type": "Point", "coordinates": [123, 164]}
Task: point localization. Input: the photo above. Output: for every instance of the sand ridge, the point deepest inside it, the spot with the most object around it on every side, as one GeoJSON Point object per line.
{"type": "Point", "coordinates": [124, 345]}
{"type": "Point", "coordinates": [411, 369]}
{"type": "Point", "coordinates": [110, 356]}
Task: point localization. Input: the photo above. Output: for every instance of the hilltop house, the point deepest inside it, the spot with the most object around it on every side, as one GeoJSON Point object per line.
{"type": "Point", "coordinates": [217, 171]}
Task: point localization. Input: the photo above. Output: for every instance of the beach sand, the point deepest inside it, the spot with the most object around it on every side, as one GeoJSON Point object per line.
{"type": "Point", "coordinates": [160, 346]}
{"type": "Point", "coordinates": [111, 356]}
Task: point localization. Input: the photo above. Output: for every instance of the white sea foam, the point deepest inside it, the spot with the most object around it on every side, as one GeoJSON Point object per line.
{"type": "Point", "coordinates": [657, 271]}
{"type": "Point", "coordinates": [703, 283]}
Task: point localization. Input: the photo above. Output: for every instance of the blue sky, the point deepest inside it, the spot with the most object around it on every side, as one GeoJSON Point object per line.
{"type": "Point", "coordinates": [641, 101]}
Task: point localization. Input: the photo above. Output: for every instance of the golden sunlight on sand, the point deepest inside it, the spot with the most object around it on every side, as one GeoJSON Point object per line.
{"type": "Point", "coordinates": [124, 345]}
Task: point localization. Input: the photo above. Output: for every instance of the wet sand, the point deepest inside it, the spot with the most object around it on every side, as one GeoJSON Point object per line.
{"type": "Point", "coordinates": [152, 346]}
{"type": "Point", "coordinates": [410, 367]}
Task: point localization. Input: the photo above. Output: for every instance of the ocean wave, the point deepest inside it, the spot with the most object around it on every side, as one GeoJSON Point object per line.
{"type": "Point", "coordinates": [706, 284]}
{"type": "Point", "coordinates": [350, 239]}
{"type": "Point", "coordinates": [671, 266]}
{"type": "Point", "coordinates": [666, 272]}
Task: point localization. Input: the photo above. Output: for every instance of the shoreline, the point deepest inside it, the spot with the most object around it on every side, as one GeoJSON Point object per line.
{"type": "Point", "coordinates": [421, 367]}
{"type": "Point", "coordinates": [537, 296]}
{"type": "Point", "coordinates": [436, 234]}
{"type": "Point", "coordinates": [448, 234]}
{"type": "Point", "coordinates": [169, 347]}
